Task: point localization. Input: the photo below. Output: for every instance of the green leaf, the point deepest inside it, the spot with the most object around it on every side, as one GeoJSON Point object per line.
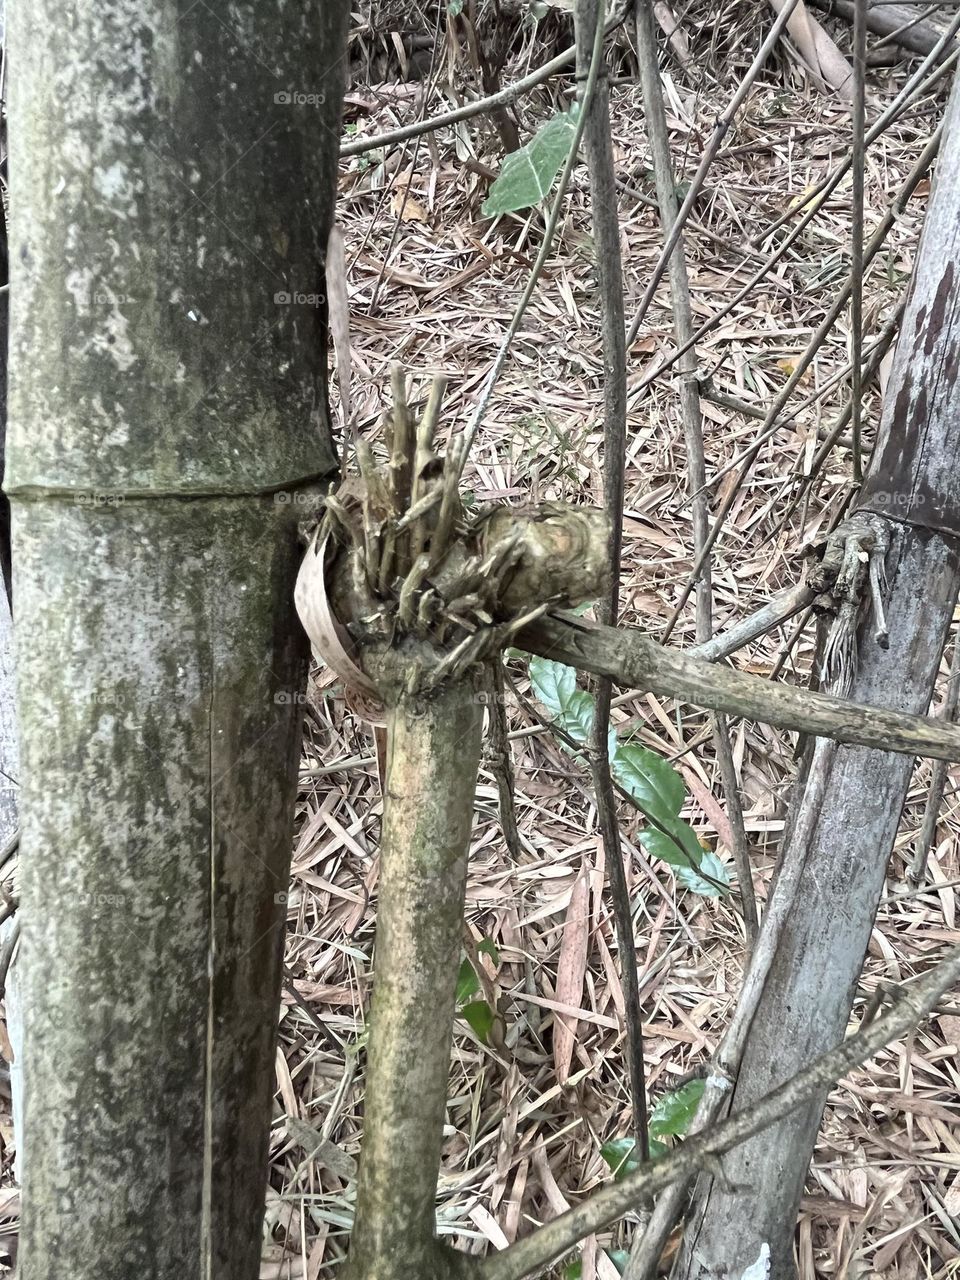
{"type": "Point", "coordinates": [673, 1112]}
{"type": "Point", "coordinates": [577, 716]}
{"type": "Point", "coordinates": [468, 984]}
{"type": "Point", "coordinates": [454, 8]}
{"type": "Point", "coordinates": [618, 1154]}
{"type": "Point", "coordinates": [488, 947]}
{"type": "Point", "coordinates": [680, 848]}
{"type": "Point", "coordinates": [714, 868]}
{"type": "Point", "coordinates": [573, 709]}
{"type": "Point", "coordinates": [619, 1258]}
{"type": "Point", "coordinates": [653, 783]}
{"type": "Point", "coordinates": [480, 1017]}
{"type": "Point", "coordinates": [528, 174]}
{"type": "Point", "coordinates": [553, 683]}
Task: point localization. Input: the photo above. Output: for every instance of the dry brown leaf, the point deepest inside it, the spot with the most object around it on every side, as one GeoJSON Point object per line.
{"type": "Point", "coordinates": [571, 970]}
{"type": "Point", "coordinates": [817, 49]}
{"type": "Point", "coordinates": [407, 209]}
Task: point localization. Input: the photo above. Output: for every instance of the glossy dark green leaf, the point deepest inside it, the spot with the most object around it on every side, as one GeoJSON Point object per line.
{"type": "Point", "coordinates": [554, 683]}
{"type": "Point", "coordinates": [653, 783]}
{"type": "Point", "coordinates": [480, 1017]}
{"type": "Point", "coordinates": [468, 984]}
{"type": "Point", "coordinates": [678, 844]}
{"type": "Point", "coordinates": [618, 1155]}
{"type": "Point", "coordinates": [673, 1112]}
{"type": "Point", "coordinates": [573, 709]}
{"type": "Point", "coordinates": [710, 865]}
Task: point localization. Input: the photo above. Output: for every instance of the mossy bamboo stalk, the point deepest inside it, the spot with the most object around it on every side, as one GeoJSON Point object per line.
{"type": "Point", "coordinates": [170, 207]}
{"type": "Point", "coordinates": [432, 764]}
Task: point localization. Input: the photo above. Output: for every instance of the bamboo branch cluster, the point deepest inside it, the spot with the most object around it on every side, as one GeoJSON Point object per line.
{"type": "Point", "coordinates": [399, 566]}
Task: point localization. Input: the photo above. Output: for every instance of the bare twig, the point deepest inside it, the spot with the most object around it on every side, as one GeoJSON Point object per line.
{"type": "Point", "coordinates": [501, 762]}
{"type": "Point", "coordinates": [785, 605]}
{"type": "Point", "coordinates": [588, 18]}
{"type": "Point", "coordinates": [648, 1245]}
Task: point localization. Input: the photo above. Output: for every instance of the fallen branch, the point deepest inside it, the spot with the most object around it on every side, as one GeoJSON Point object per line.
{"type": "Point", "coordinates": [632, 659]}
{"type": "Point", "coordinates": [900, 23]}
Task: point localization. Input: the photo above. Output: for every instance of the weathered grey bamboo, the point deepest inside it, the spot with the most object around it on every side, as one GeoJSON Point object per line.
{"type": "Point", "coordinates": [845, 820]}
{"type": "Point", "coordinates": [171, 200]}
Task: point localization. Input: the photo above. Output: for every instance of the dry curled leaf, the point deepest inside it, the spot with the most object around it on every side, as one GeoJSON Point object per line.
{"type": "Point", "coordinates": [331, 641]}
{"type": "Point", "coordinates": [571, 970]}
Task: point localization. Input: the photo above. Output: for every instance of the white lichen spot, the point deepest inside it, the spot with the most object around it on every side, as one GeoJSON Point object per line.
{"type": "Point", "coordinates": [61, 186]}
{"type": "Point", "coordinates": [76, 151]}
{"type": "Point", "coordinates": [105, 727]}
{"type": "Point", "coordinates": [195, 175]}
{"type": "Point", "coordinates": [201, 251]}
{"type": "Point", "coordinates": [113, 339]}
{"type": "Point", "coordinates": [113, 182]}
{"type": "Point", "coordinates": [198, 57]}
{"type": "Point", "coordinates": [760, 1269]}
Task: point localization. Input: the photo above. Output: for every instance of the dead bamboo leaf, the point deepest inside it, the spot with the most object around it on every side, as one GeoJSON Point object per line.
{"type": "Point", "coordinates": [818, 50]}
{"type": "Point", "coordinates": [571, 970]}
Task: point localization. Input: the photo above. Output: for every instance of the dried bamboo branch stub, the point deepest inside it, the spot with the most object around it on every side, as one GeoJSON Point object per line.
{"type": "Point", "coordinates": [633, 660]}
